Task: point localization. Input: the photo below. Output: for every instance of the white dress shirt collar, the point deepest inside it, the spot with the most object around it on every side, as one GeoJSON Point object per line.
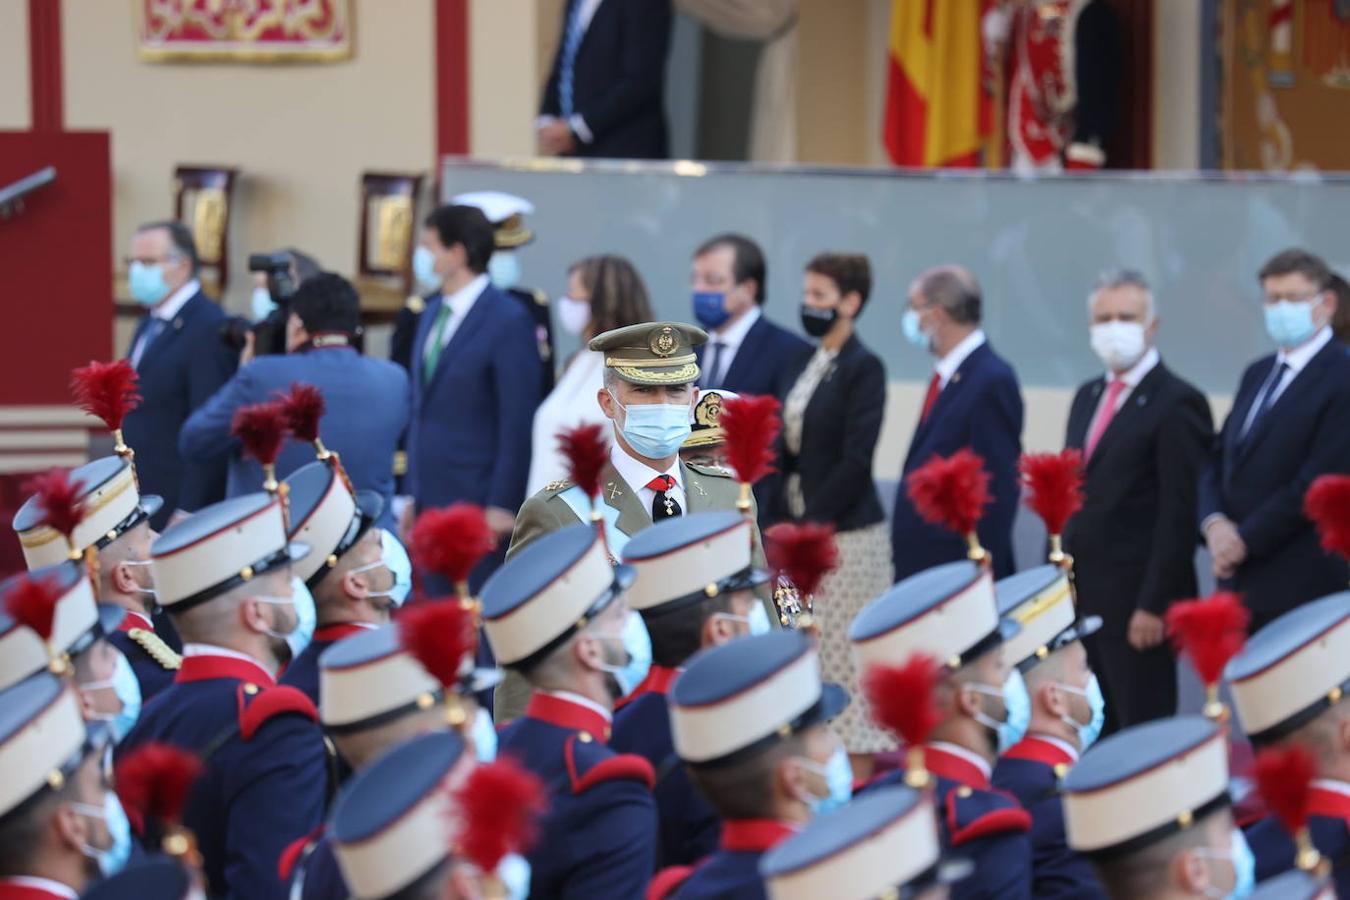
{"type": "Point", "coordinates": [1331, 784]}
{"type": "Point", "coordinates": [639, 474]}
{"type": "Point", "coordinates": [582, 701]}
{"type": "Point", "coordinates": [969, 756]}
{"type": "Point", "coordinates": [1135, 373]}
{"type": "Point", "coordinates": [734, 334]}
{"type": "Point", "coordinates": [1298, 358]}
{"type": "Point", "coordinates": [462, 300]}
{"type": "Point", "coordinates": [1069, 749]}
{"type": "Point", "coordinates": [170, 308]}
{"type": "Point", "coordinates": [947, 366]}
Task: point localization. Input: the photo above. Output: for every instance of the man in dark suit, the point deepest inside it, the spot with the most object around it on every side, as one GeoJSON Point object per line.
{"type": "Point", "coordinates": [366, 399]}
{"type": "Point", "coordinates": [745, 353]}
{"type": "Point", "coordinates": [178, 352]}
{"type": "Point", "coordinates": [475, 380]}
{"type": "Point", "coordinates": [1290, 423]}
{"type": "Point", "coordinates": [605, 91]}
{"type": "Point", "coordinates": [974, 401]}
{"type": "Point", "coordinates": [1144, 434]}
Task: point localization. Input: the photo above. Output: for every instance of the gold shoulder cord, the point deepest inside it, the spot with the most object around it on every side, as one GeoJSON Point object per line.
{"type": "Point", "coordinates": [154, 645]}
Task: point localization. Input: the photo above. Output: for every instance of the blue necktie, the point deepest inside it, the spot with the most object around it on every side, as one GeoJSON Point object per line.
{"type": "Point", "coordinates": [151, 328]}
{"type": "Point", "coordinates": [1267, 397]}
{"type": "Point", "coordinates": [571, 43]}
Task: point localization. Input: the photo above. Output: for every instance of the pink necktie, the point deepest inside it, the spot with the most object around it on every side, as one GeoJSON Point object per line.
{"type": "Point", "coordinates": [1108, 412]}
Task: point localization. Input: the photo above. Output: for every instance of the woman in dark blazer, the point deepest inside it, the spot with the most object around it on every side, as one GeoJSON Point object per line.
{"type": "Point", "coordinates": [831, 421]}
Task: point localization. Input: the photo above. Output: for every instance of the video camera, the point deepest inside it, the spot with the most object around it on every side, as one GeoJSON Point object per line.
{"type": "Point", "coordinates": [269, 334]}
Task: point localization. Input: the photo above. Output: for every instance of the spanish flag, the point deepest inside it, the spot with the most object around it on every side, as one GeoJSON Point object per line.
{"type": "Point", "coordinates": [937, 113]}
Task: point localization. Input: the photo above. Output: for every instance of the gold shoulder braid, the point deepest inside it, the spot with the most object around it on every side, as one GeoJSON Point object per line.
{"type": "Point", "coordinates": [154, 645]}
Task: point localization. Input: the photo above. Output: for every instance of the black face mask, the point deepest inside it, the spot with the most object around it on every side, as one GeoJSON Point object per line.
{"type": "Point", "coordinates": [818, 322]}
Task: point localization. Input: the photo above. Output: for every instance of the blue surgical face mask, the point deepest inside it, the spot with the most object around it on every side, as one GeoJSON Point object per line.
{"type": "Point", "coordinates": [424, 270]}
{"type": "Point", "coordinates": [1290, 322]}
{"type": "Point", "coordinates": [756, 622]}
{"type": "Point", "coordinates": [913, 329]}
{"type": "Point", "coordinates": [393, 557]}
{"type": "Point", "coordinates": [298, 638]}
{"type": "Point", "coordinates": [710, 309]}
{"type": "Point", "coordinates": [504, 269]}
{"type": "Point", "coordinates": [128, 690]}
{"type": "Point", "coordinates": [1089, 731]}
{"type": "Point", "coordinates": [1016, 706]}
{"type": "Point", "coordinates": [838, 775]}
{"type": "Point", "coordinates": [637, 643]}
{"type": "Point", "coordinates": [484, 736]}
{"type": "Point", "coordinates": [146, 283]}
{"type": "Point", "coordinates": [655, 430]}
{"type": "Point", "coordinates": [114, 858]}
{"type": "Point", "coordinates": [514, 874]}
{"type": "Point", "coordinates": [261, 304]}
{"type": "Point", "coordinates": [1239, 854]}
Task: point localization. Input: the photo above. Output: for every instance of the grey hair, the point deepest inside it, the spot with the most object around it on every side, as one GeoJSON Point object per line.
{"type": "Point", "coordinates": [1119, 278]}
{"type": "Point", "coordinates": [952, 289]}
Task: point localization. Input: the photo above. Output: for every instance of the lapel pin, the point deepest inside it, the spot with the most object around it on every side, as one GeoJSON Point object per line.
{"type": "Point", "coordinates": [956, 378]}
{"type": "Point", "coordinates": [614, 492]}
{"type": "Point", "coordinates": [177, 323]}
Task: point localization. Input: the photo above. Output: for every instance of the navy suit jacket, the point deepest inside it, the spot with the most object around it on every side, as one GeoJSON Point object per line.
{"type": "Point", "coordinates": [767, 362]}
{"type": "Point", "coordinates": [469, 438]}
{"type": "Point", "coordinates": [179, 371]}
{"type": "Point", "coordinates": [366, 400]}
{"type": "Point", "coordinates": [1259, 482]}
{"type": "Point", "coordinates": [618, 78]}
{"type": "Point", "coordinates": [980, 408]}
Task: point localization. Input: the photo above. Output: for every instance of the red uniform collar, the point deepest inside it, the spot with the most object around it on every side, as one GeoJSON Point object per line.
{"type": "Point", "coordinates": [206, 668]}
{"type": "Point", "coordinates": [1034, 749]}
{"type": "Point", "coordinates": [658, 681]}
{"type": "Point", "coordinates": [18, 889]}
{"type": "Point", "coordinates": [340, 630]}
{"type": "Point", "coordinates": [953, 767]}
{"type": "Point", "coordinates": [754, 835]}
{"type": "Point", "coordinates": [566, 714]}
{"type": "Point", "coordinates": [1329, 804]}
{"type": "Point", "coordinates": [135, 620]}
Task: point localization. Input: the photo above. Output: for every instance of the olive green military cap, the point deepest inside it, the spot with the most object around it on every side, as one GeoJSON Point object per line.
{"type": "Point", "coordinates": [652, 353]}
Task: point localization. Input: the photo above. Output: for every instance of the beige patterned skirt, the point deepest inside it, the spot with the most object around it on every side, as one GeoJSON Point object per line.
{"type": "Point", "coordinates": [864, 574]}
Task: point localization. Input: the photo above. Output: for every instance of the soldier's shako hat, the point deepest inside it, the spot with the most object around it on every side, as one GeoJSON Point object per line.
{"type": "Point", "coordinates": [1292, 669]}
{"type": "Point", "coordinates": [1041, 602]}
{"type": "Point", "coordinates": [219, 548]}
{"type": "Point", "coordinates": [947, 612]}
{"type": "Point", "coordinates": [327, 517]}
{"type": "Point", "coordinates": [79, 620]}
{"type": "Point", "coordinates": [655, 353]}
{"type": "Point", "coordinates": [1144, 784]}
{"type": "Point", "coordinates": [706, 428]}
{"type": "Point", "coordinates": [507, 214]}
{"type": "Point", "coordinates": [394, 822]}
{"type": "Point", "coordinates": [546, 593]}
{"type": "Point", "coordinates": [685, 560]}
{"type": "Point", "coordinates": [735, 700]}
{"type": "Point", "coordinates": [43, 740]}
{"type": "Point", "coordinates": [112, 507]}
{"type": "Point", "coordinates": [155, 878]}
{"type": "Point", "coordinates": [877, 846]}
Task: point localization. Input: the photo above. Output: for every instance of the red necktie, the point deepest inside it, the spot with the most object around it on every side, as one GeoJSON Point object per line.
{"type": "Point", "coordinates": [934, 388]}
{"type": "Point", "coordinates": [663, 505]}
{"type": "Point", "coordinates": [1104, 417]}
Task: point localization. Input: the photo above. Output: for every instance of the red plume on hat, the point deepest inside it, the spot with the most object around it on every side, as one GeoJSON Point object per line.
{"type": "Point", "coordinates": [107, 391]}
{"type": "Point", "coordinates": [902, 699]}
{"type": "Point", "coordinates": [32, 602]}
{"type": "Point", "coordinates": [441, 636]}
{"type": "Point", "coordinates": [1054, 482]}
{"type": "Point", "coordinates": [1209, 632]}
{"type": "Point", "coordinates": [750, 425]}
{"type": "Point", "coordinates": [303, 409]}
{"type": "Point", "coordinates": [450, 542]}
{"type": "Point", "coordinates": [499, 805]}
{"type": "Point", "coordinates": [586, 450]}
{"type": "Point", "coordinates": [1327, 503]}
{"type": "Point", "coordinates": [261, 428]}
{"type": "Point", "coordinates": [154, 781]}
{"type": "Point", "coordinates": [805, 552]}
{"type": "Point", "coordinates": [59, 499]}
{"type": "Point", "coordinates": [1284, 779]}
{"type": "Point", "coordinates": [952, 492]}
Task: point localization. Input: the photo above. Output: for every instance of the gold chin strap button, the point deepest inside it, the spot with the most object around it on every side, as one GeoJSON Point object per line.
{"type": "Point", "coordinates": [250, 688]}
{"type": "Point", "coordinates": [584, 737]}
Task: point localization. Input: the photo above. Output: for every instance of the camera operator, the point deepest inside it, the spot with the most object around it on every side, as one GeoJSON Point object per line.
{"type": "Point", "coordinates": [276, 276]}
{"type": "Point", "coordinates": [368, 400]}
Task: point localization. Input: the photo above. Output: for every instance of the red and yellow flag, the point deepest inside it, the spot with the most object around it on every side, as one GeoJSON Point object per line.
{"type": "Point", "coordinates": [937, 113]}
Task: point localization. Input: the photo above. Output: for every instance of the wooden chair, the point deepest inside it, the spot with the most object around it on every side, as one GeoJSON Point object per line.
{"type": "Point", "coordinates": [387, 234]}
{"type": "Point", "coordinates": [202, 200]}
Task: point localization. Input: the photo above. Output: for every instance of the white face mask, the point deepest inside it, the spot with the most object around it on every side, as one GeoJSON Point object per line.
{"type": "Point", "coordinates": [573, 315]}
{"type": "Point", "coordinates": [1119, 345]}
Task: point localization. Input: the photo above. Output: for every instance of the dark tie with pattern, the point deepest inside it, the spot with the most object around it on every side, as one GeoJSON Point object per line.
{"type": "Point", "coordinates": [663, 504]}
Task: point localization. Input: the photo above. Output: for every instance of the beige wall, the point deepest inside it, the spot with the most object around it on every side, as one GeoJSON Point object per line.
{"type": "Point", "coordinates": [504, 75]}
{"type": "Point", "coordinates": [1176, 84]}
{"type": "Point", "coordinates": [14, 112]}
{"type": "Point", "coordinates": [300, 134]}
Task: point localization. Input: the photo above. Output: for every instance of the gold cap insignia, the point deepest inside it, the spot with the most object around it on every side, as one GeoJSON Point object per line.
{"type": "Point", "coordinates": [663, 341]}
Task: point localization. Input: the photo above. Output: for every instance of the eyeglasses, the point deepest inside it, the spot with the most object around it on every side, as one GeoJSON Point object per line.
{"type": "Point", "coordinates": [1270, 299]}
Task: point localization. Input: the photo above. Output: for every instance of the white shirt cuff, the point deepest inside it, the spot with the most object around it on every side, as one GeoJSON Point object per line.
{"type": "Point", "coordinates": [1210, 520]}
{"type": "Point", "coordinates": [578, 126]}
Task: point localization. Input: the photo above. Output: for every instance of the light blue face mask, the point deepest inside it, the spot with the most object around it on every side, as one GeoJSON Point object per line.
{"type": "Point", "coordinates": [1091, 730]}
{"type": "Point", "coordinates": [114, 858]}
{"type": "Point", "coordinates": [298, 638]}
{"type": "Point", "coordinates": [756, 622]}
{"type": "Point", "coordinates": [838, 775]}
{"type": "Point", "coordinates": [655, 430]}
{"type": "Point", "coordinates": [514, 874]}
{"type": "Point", "coordinates": [146, 283]}
{"type": "Point", "coordinates": [913, 330]}
{"type": "Point", "coordinates": [1239, 854]}
{"type": "Point", "coordinates": [637, 643]}
{"type": "Point", "coordinates": [484, 737]}
{"type": "Point", "coordinates": [261, 304]}
{"type": "Point", "coordinates": [1017, 710]}
{"type": "Point", "coordinates": [1290, 322]}
{"type": "Point", "coordinates": [710, 309]}
{"type": "Point", "coordinates": [504, 269]}
{"type": "Point", "coordinates": [128, 690]}
{"type": "Point", "coordinates": [424, 270]}
{"type": "Point", "coordinates": [393, 557]}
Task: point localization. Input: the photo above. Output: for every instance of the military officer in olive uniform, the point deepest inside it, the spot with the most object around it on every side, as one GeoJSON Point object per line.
{"type": "Point", "coordinates": [649, 393]}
